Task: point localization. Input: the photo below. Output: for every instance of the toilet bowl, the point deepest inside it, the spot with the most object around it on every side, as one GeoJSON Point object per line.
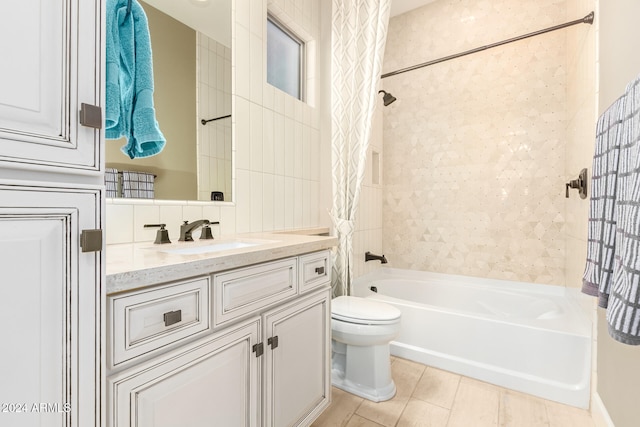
{"type": "Point", "coordinates": [361, 330]}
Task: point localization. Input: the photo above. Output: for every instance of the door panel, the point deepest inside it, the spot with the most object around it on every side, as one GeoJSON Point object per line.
{"type": "Point", "coordinates": [297, 381]}
{"type": "Point", "coordinates": [212, 382]}
{"type": "Point", "coordinates": [49, 308]}
{"type": "Point", "coordinates": [49, 54]}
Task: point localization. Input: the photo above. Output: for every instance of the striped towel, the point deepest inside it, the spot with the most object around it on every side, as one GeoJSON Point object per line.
{"type": "Point", "coordinates": [138, 185]}
{"type": "Point", "coordinates": [623, 313]}
{"type": "Point", "coordinates": [612, 269]}
{"type": "Point", "coordinates": [111, 182]}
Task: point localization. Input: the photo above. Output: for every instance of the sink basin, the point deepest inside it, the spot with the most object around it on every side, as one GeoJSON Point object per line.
{"type": "Point", "coordinates": [214, 247]}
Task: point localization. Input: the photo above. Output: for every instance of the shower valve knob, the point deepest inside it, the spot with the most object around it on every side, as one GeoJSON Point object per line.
{"type": "Point", "coordinates": [580, 184]}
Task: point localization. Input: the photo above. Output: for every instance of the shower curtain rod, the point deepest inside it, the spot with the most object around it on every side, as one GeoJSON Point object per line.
{"type": "Point", "coordinates": [586, 20]}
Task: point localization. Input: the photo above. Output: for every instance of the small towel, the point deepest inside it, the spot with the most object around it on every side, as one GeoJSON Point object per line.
{"type": "Point", "coordinates": [130, 110]}
{"type": "Point", "coordinates": [111, 182]}
{"type": "Point", "coordinates": [612, 269]}
{"type": "Point", "coordinates": [137, 185]}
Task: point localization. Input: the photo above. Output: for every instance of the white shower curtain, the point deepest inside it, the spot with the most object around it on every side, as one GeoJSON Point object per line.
{"type": "Point", "coordinates": [359, 31]}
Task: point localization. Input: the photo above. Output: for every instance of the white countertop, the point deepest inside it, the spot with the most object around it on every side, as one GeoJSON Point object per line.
{"type": "Point", "coordinates": [135, 265]}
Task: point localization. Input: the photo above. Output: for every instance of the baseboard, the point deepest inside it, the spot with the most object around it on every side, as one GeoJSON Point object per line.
{"type": "Point", "coordinates": [599, 412]}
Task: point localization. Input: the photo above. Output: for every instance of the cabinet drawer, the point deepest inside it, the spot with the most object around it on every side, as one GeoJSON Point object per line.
{"type": "Point", "coordinates": [244, 291]}
{"type": "Point", "coordinates": [147, 320]}
{"type": "Point", "coordinates": [315, 270]}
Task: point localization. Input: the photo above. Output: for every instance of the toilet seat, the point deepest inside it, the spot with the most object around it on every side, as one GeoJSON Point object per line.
{"type": "Point", "coordinates": [363, 311]}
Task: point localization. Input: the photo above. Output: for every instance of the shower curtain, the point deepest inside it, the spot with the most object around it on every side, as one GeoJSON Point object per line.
{"type": "Point", "coordinates": [359, 31]}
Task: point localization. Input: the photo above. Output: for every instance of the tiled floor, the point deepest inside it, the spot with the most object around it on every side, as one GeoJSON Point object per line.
{"type": "Point", "coordinates": [431, 397]}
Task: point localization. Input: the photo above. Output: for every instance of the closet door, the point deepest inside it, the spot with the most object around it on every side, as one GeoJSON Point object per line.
{"type": "Point", "coordinates": [50, 51]}
{"type": "Point", "coordinates": [50, 305]}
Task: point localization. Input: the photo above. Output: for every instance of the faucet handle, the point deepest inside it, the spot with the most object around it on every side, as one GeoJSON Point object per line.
{"type": "Point", "coordinates": [206, 233]}
{"type": "Point", "coordinates": [206, 230]}
{"type": "Point", "coordinates": [162, 236]}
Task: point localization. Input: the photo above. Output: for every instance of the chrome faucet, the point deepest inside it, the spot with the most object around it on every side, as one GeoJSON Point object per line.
{"type": "Point", "coordinates": [368, 256]}
{"type": "Point", "coordinates": [187, 228]}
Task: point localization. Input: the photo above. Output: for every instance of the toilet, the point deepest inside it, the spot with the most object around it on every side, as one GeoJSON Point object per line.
{"type": "Point", "coordinates": [361, 329]}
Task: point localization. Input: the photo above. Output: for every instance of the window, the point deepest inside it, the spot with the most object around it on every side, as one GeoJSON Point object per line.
{"type": "Point", "coordinates": [285, 59]}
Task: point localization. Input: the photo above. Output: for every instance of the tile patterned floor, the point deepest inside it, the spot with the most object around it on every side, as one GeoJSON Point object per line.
{"type": "Point", "coordinates": [434, 398]}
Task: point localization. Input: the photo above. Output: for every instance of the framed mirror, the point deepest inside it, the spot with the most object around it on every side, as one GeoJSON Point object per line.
{"type": "Point", "coordinates": [191, 42]}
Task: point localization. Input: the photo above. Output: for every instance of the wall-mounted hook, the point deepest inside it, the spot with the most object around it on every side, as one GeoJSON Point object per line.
{"type": "Point", "coordinates": [580, 184]}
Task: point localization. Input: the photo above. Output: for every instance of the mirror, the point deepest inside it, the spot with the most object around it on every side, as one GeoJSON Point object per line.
{"type": "Point", "coordinates": [191, 42]}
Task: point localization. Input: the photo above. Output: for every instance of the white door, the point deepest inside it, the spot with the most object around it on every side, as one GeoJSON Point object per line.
{"type": "Point", "coordinates": [297, 381]}
{"type": "Point", "coordinates": [213, 382]}
{"type": "Point", "coordinates": [50, 55]}
{"type": "Point", "coordinates": [49, 308]}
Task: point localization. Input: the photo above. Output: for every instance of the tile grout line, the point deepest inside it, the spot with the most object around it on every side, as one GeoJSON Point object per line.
{"type": "Point", "coordinates": [455, 397]}
{"type": "Point", "coordinates": [415, 386]}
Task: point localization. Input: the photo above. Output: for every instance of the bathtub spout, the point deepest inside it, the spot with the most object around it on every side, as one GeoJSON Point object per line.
{"type": "Point", "coordinates": [368, 256]}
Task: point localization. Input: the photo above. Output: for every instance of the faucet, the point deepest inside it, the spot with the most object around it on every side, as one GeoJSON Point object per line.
{"type": "Point", "coordinates": [187, 228]}
{"type": "Point", "coordinates": [368, 256]}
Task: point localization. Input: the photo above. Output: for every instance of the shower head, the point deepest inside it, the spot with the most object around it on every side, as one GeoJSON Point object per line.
{"type": "Point", "coordinates": [387, 98]}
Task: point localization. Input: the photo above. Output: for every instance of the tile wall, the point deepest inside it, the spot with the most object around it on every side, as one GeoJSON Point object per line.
{"type": "Point", "coordinates": [475, 148]}
{"type": "Point", "coordinates": [279, 152]}
{"type": "Point", "coordinates": [581, 129]}
{"type": "Point", "coordinates": [582, 101]}
{"type": "Point", "coordinates": [368, 232]}
{"type": "Point", "coordinates": [214, 100]}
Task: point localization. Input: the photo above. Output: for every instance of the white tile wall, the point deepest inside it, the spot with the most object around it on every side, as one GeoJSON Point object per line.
{"type": "Point", "coordinates": [214, 100]}
{"type": "Point", "coordinates": [368, 234]}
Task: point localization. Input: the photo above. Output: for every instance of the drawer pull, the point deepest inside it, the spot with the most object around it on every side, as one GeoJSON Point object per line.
{"type": "Point", "coordinates": [258, 349]}
{"type": "Point", "coordinates": [172, 317]}
{"type": "Point", "coordinates": [320, 270]}
{"type": "Point", "coordinates": [273, 342]}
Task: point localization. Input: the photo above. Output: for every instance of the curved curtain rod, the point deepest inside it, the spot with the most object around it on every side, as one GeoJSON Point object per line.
{"type": "Point", "coordinates": [586, 20]}
{"type": "Point", "coordinates": [204, 122]}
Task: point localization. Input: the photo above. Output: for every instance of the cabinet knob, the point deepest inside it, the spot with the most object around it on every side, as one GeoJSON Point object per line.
{"type": "Point", "coordinates": [319, 270]}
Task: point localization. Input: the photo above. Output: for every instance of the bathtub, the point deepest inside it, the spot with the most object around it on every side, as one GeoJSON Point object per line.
{"type": "Point", "coordinates": [522, 336]}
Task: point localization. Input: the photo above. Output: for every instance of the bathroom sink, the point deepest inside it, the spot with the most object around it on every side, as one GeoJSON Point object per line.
{"type": "Point", "coordinates": [213, 247]}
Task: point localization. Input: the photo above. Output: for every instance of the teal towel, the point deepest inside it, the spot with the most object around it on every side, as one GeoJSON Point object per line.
{"type": "Point", "coordinates": [129, 81]}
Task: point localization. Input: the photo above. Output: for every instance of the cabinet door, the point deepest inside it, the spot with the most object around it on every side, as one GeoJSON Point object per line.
{"type": "Point", "coordinates": [213, 382]}
{"type": "Point", "coordinates": [297, 381]}
{"type": "Point", "coordinates": [50, 65]}
{"type": "Point", "coordinates": [50, 305]}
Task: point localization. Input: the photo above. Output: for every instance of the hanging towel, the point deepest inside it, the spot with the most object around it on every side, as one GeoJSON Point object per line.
{"type": "Point", "coordinates": [602, 215]}
{"type": "Point", "coordinates": [613, 262]}
{"type": "Point", "coordinates": [623, 313]}
{"type": "Point", "coordinates": [137, 185]}
{"type": "Point", "coordinates": [130, 111]}
{"type": "Point", "coordinates": [111, 182]}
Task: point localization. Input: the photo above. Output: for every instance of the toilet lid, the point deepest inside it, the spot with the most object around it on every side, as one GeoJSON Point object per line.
{"type": "Point", "coordinates": [363, 310]}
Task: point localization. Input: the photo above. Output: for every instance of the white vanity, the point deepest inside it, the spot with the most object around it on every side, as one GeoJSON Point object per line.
{"type": "Point", "coordinates": [234, 332]}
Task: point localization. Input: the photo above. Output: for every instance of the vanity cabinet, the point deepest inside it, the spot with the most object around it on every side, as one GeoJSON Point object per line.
{"type": "Point", "coordinates": [264, 360]}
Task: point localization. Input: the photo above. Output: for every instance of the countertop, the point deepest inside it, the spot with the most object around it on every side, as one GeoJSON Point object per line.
{"type": "Point", "coordinates": [136, 265]}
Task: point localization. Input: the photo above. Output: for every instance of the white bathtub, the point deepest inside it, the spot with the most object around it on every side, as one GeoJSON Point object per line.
{"type": "Point", "coordinates": [527, 337]}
